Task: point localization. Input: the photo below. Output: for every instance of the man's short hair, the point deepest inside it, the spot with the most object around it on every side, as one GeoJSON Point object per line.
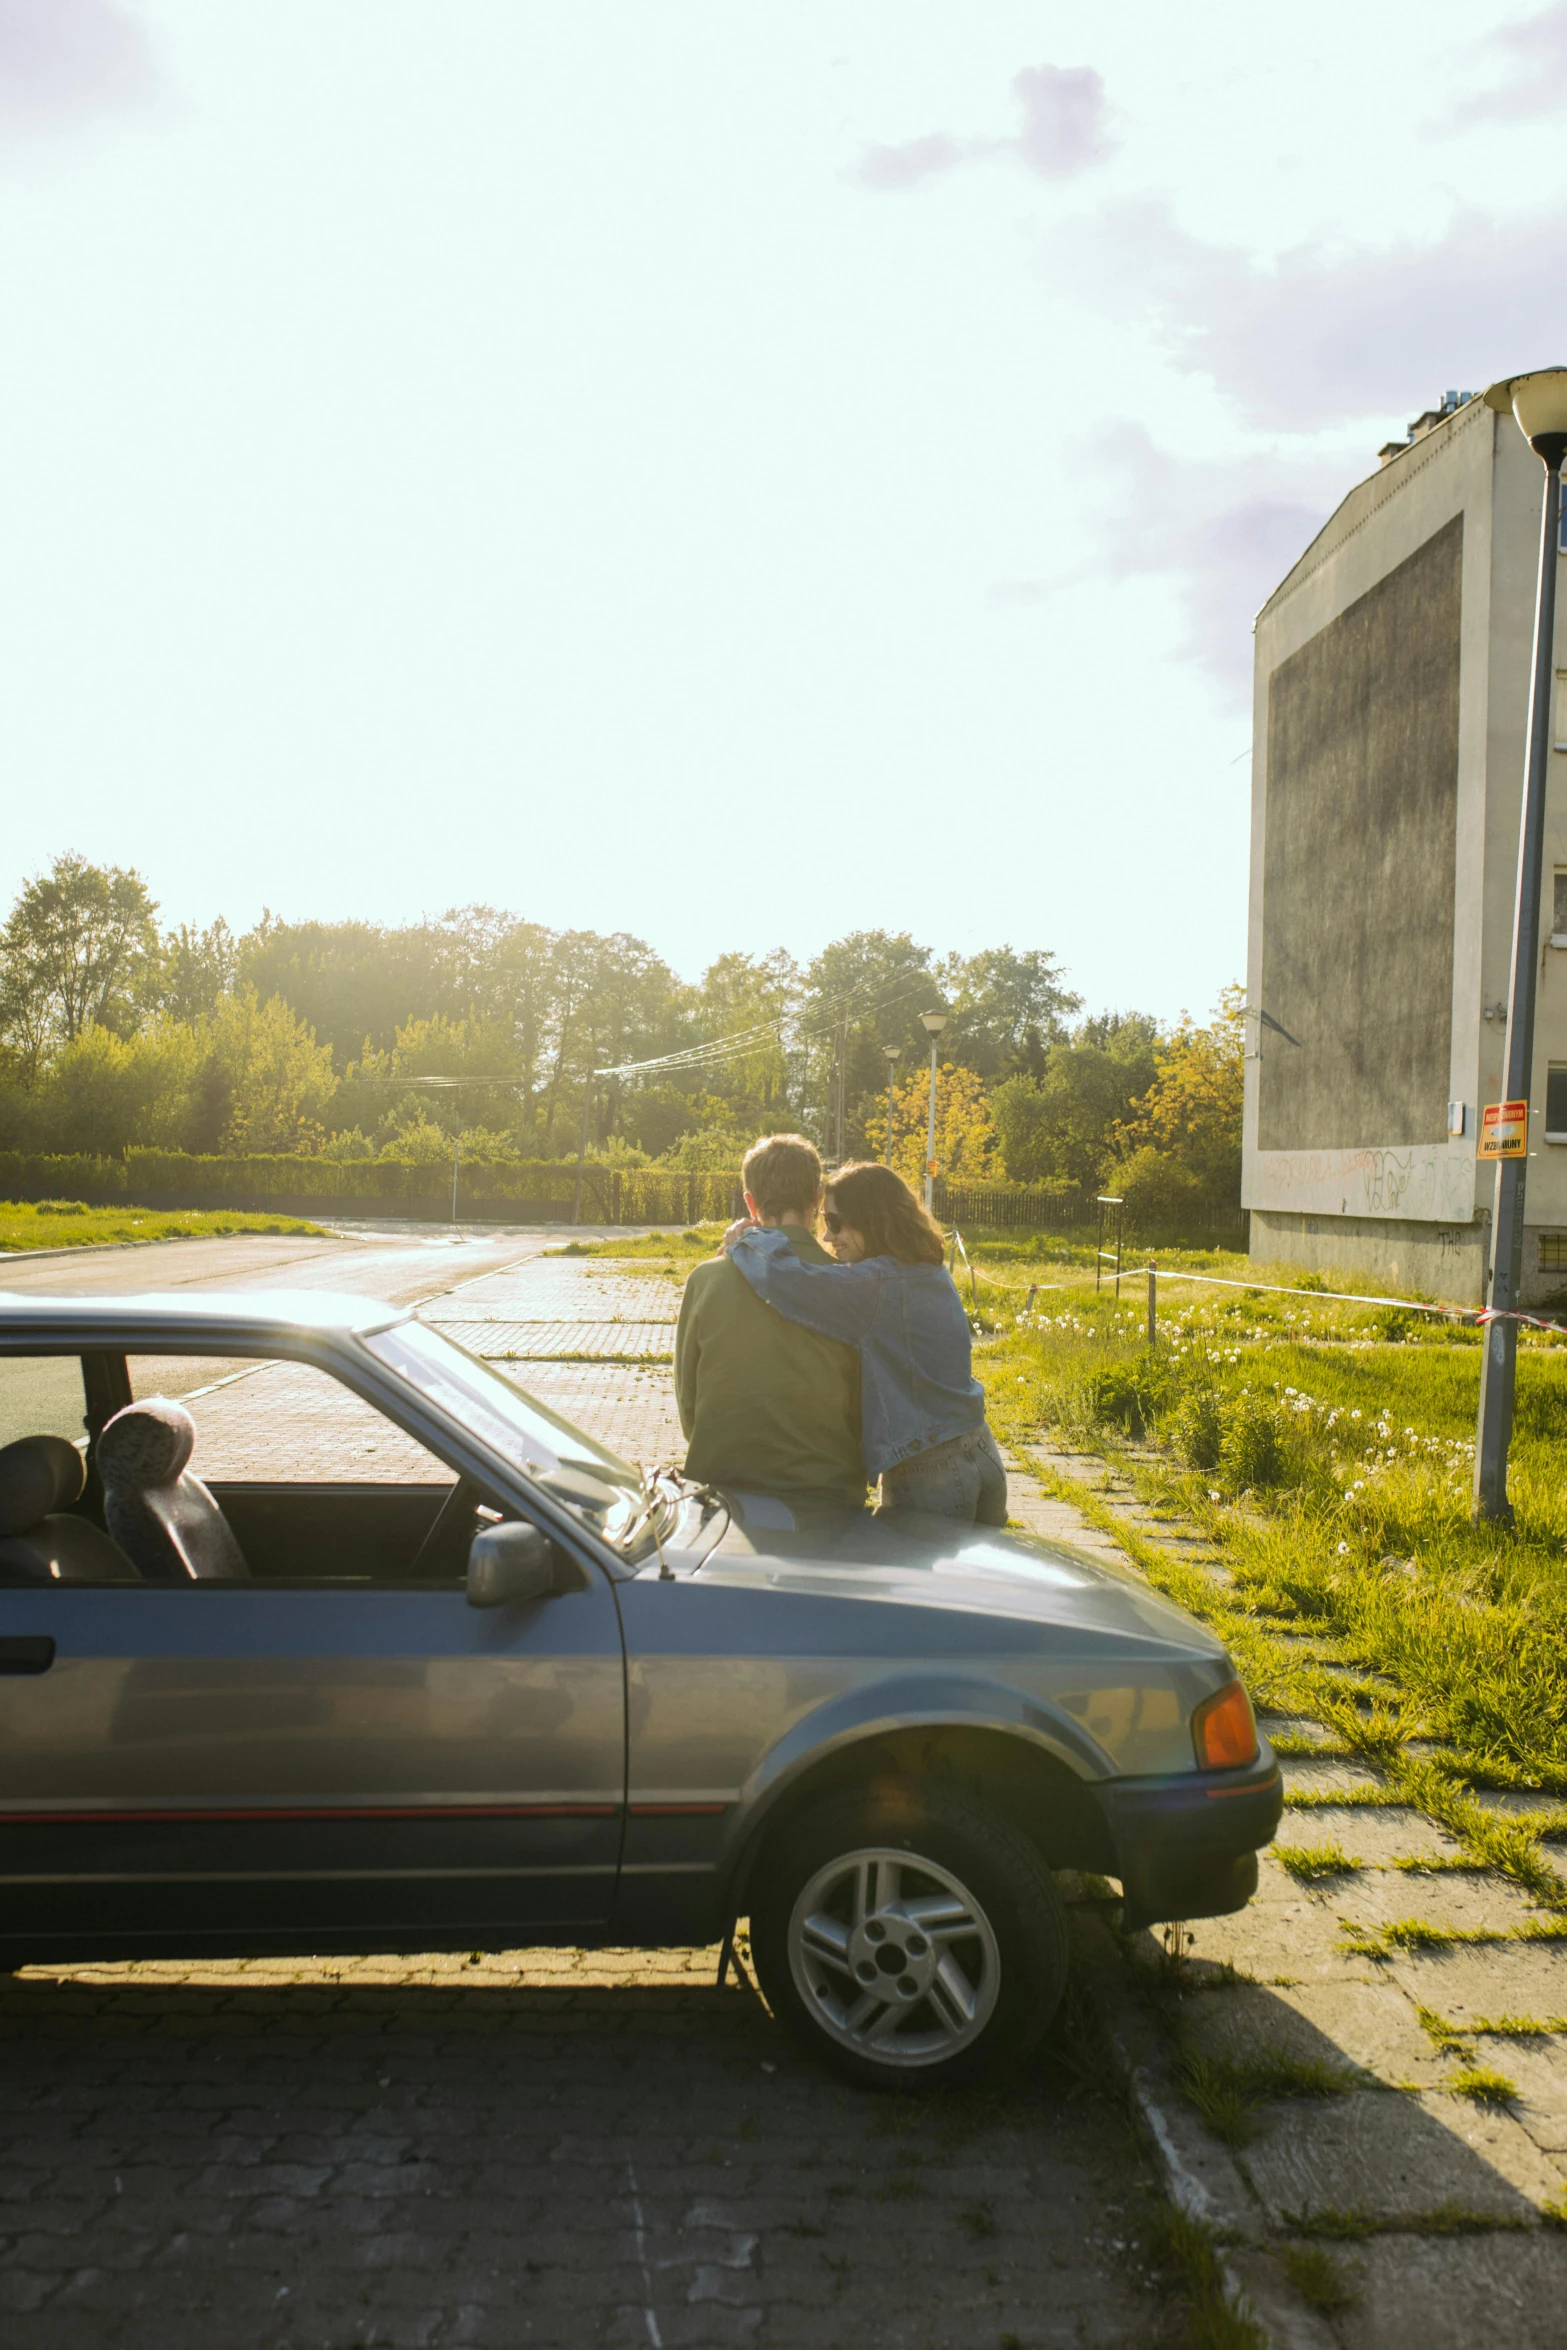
{"type": "Point", "coordinates": [781, 1172]}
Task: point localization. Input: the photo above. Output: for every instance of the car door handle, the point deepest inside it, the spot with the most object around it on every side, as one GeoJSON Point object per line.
{"type": "Point", "coordinates": [26, 1654]}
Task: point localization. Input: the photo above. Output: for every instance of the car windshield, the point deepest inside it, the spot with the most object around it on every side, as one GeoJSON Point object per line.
{"type": "Point", "coordinates": [572, 1468]}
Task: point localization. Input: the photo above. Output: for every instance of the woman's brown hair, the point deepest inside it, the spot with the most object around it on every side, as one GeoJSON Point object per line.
{"type": "Point", "coordinates": [879, 1206]}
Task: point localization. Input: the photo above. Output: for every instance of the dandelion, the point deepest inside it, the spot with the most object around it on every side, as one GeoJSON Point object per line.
{"type": "Point", "coordinates": [1343, 1550]}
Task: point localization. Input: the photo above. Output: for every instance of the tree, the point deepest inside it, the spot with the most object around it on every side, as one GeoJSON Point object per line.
{"type": "Point", "coordinates": [862, 993]}
{"type": "Point", "coordinates": [194, 969]}
{"type": "Point", "coordinates": [1006, 1009]}
{"type": "Point", "coordinates": [106, 1092]}
{"type": "Point", "coordinates": [1064, 1125]}
{"type": "Point", "coordinates": [1191, 1113]}
{"type": "Point", "coordinates": [267, 1079]}
{"type": "Point", "coordinates": [76, 947]}
{"type": "Point", "coordinates": [965, 1137]}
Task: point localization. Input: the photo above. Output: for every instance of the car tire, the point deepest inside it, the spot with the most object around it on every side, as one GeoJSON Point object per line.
{"type": "Point", "coordinates": [912, 1937]}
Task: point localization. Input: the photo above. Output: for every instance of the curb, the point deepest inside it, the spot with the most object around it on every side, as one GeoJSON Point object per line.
{"type": "Point", "coordinates": [1201, 2177]}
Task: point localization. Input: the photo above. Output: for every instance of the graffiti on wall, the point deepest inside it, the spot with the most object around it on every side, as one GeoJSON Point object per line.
{"type": "Point", "coordinates": [1427, 1182]}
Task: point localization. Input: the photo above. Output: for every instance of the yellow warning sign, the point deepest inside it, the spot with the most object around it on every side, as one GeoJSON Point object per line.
{"type": "Point", "coordinates": [1504, 1130]}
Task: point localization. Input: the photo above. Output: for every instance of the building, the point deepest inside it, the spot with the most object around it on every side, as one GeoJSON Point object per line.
{"type": "Point", "coordinates": [1392, 679]}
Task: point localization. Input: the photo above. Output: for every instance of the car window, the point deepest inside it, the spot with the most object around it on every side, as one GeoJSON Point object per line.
{"type": "Point", "coordinates": [272, 1422]}
{"type": "Point", "coordinates": [600, 1488]}
{"type": "Point", "coordinates": [42, 1395]}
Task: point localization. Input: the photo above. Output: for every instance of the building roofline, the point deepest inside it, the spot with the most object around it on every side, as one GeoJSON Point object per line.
{"type": "Point", "coordinates": [1399, 471]}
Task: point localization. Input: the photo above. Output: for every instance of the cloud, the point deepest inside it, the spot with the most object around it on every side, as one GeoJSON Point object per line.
{"type": "Point", "coordinates": [1064, 120]}
{"type": "Point", "coordinates": [63, 61]}
{"type": "Point", "coordinates": [1325, 334]}
{"type": "Point", "coordinates": [1223, 533]}
{"type": "Point", "coordinates": [1064, 132]}
{"type": "Point", "coordinates": [1536, 84]}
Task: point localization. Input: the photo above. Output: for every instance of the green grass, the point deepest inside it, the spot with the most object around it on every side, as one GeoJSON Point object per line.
{"type": "Point", "coordinates": [1353, 2226]}
{"type": "Point", "coordinates": [1308, 1863]}
{"type": "Point", "coordinates": [1213, 2322]}
{"type": "Point", "coordinates": [1483, 2086]}
{"type": "Point", "coordinates": [1325, 1453]}
{"type": "Point", "coordinates": [1318, 2279]}
{"type": "Point", "coordinates": [1227, 2091]}
{"type": "Point", "coordinates": [676, 1248]}
{"type": "Point", "coordinates": [71, 1224]}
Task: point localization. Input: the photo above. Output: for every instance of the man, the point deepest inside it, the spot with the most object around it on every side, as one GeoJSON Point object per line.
{"type": "Point", "coordinates": [765, 1405]}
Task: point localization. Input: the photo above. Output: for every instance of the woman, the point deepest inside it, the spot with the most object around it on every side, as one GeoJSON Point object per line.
{"type": "Point", "coordinates": [890, 1295]}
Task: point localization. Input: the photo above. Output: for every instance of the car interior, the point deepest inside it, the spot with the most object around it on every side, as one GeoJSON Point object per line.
{"type": "Point", "coordinates": [122, 1499]}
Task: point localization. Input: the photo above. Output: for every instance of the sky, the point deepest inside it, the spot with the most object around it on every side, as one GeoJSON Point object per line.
{"type": "Point", "coordinates": [731, 474]}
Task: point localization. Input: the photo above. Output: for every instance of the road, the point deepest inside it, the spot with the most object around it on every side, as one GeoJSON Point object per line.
{"type": "Point", "coordinates": [554, 2147]}
{"type": "Point", "coordinates": [405, 1265]}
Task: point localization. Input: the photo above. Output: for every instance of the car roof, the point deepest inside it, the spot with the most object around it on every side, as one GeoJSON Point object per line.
{"type": "Point", "coordinates": [252, 1313]}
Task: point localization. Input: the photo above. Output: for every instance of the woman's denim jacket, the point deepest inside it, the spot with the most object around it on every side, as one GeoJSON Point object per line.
{"type": "Point", "coordinates": [916, 1385]}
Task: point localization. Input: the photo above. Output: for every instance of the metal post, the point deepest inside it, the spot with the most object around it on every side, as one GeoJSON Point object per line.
{"type": "Point", "coordinates": [1499, 1362]}
{"type": "Point", "coordinates": [582, 1147]}
{"type": "Point", "coordinates": [930, 1135]}
{"type": "Point", "coordinates": [1153, 1305]}
{"type": "Point", "coordinates": [894, 1053]}
{"type": "Point", "coordinates": [456, 1161]}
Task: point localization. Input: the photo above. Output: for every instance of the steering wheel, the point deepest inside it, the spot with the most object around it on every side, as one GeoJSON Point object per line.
{"type": "Point", "coordinates": [444, 1550]}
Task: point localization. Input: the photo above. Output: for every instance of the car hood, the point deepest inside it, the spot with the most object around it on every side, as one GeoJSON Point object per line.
{"type": "Point", "coordinates": [907, 1558]}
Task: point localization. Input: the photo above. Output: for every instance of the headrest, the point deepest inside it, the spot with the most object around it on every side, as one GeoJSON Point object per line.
{"type": "Point", "coordinates": [38, 1475]}
{"type": "Point", "coordinates": [148, 1443]}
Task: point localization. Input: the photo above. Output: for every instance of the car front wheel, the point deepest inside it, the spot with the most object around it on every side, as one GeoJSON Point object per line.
{"type": "Point", "coordinates": [914, 1939]}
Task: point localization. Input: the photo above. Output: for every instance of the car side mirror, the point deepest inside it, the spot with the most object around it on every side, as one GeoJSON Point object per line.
{"type": "Point", "coordinates": [511, 1564]}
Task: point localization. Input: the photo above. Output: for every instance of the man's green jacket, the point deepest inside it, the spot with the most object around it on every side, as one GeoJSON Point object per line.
{"type": "Point", "coordinates": [765, 1405]}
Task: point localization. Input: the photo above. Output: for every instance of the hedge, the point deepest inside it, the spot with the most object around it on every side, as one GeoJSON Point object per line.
{"type": "Point", "coordinates": [152, 1178]}
{"type": "Point", "coordinates": [486, 1188]}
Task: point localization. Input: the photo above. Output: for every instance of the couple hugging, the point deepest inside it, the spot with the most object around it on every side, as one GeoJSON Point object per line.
{"type": "Point", "coordinates": [802, 1370]}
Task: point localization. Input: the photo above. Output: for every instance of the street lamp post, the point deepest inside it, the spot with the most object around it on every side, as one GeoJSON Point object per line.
{"type": "Point", "coordinates": [933, 1023]}
{"type": "Point", "coordinates": [894, 1053]}
{"type": "Point", "coordinates": [1539, 402]}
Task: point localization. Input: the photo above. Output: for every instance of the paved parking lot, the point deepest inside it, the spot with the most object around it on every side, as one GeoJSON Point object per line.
{"type": "Point", "coordinates": [528, 2147]}
{"type": "Point", "coordinates": [537, 2148]}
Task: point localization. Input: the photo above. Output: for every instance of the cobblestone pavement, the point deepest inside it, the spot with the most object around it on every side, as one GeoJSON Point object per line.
{"type": "Point", "coordinates": [538, 2149]}
{"type": "Point", "coordinates": [533, 2147]}
{"type": "Point", "coordinates": [1425, 1992]}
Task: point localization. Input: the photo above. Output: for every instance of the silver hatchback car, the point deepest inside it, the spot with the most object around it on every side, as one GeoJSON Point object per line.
{"type": "Point", "coordinates": [404, 1661]}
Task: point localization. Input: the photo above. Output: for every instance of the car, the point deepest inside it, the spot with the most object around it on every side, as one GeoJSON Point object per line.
{"type": "Point", "coordinates": [415, 1664]}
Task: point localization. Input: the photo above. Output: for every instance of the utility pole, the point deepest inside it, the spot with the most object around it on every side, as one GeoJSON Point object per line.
{"type": "Point", "coordinates": [582, 1146]}
{"type": "Point", "coordinates": [894, 1053]}
{"type": "Point", "coordinates": [1539, 402]}
{"type": "Point", "coordinates": [933, 1023]}
{"type": "Point", "coordinates": [456, 1162]}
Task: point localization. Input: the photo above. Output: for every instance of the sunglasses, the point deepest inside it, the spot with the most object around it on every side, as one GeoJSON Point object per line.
{"type": "Point", "coordinates": [832, 1219]}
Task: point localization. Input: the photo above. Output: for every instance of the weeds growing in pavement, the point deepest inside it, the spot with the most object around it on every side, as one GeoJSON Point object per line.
{"type": "Point", "coordinates": [1228, 2090]}
{"type": "Point", "coordinates": [1309, 1863]}
{"type": "Point", "coordinates": [1483, 2085]}
{"type": "Point", "coordinates": [1214, 2321]}
{"type": "Point", "coordinates": [1318, 2279]}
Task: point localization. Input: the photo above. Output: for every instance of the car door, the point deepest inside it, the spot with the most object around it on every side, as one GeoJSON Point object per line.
{"type": "Point", "coordinates": [289, 1762]}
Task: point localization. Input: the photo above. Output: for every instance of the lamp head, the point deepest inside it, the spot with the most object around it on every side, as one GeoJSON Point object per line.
{"type": "Point", "coordinates": [894, 1052]}
{"type": "Point", "coordinates": [933, 1022]}
{"type": "Point", "coordinates": [1539, 401]}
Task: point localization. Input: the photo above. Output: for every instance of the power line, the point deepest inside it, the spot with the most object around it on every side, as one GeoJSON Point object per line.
{"type": "Point", "coordinates": [747, 1040]}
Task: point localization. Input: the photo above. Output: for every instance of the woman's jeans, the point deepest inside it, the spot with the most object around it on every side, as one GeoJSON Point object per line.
{"type": "Point", "coordinates": [962, 1478]}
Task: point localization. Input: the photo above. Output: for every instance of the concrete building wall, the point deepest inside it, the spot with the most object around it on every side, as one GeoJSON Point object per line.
{"type": "Point", "coordinates": [1383, 815]}
{"type": "Point", "coordinates": [1359, 831]}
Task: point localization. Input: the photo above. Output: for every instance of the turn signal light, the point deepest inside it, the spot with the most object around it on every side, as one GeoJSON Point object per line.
{"type": "Point", "coordinates": [1224, 1731]}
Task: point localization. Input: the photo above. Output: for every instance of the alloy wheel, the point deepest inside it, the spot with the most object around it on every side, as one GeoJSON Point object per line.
{"type": "Point", "coordinates": [894, 1957]}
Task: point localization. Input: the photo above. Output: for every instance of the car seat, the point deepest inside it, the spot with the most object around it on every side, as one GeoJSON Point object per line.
{"type": "Point", "coordinates": [40, 1477]}
{"type": "Point", "coordinates": [162, 1517]}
